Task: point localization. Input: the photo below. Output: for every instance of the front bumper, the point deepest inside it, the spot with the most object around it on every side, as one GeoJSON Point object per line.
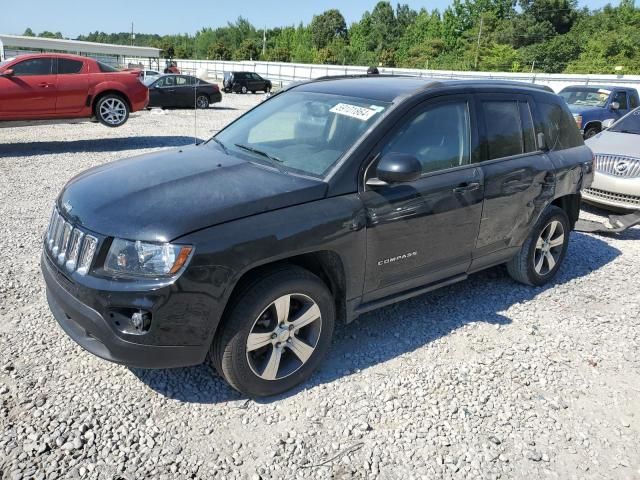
{"type": "Point", "coordinates": [612, 191]}
{"type": "Point", "coordinates": [91, 331]}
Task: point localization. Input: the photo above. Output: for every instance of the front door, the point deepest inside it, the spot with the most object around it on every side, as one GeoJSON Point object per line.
{"type": "Point", "coordinates": [30, 92]}
{"type": "Point", "coordinates": [623, 102]}
{"type": "Point", "coordinates": [425, 231]}
{"type": "Point", "coordinates": [518, 176]}
{"type": "Point", "coordinates": [73, 86]}
{"type": "Point", "coordinates": [163, 92]}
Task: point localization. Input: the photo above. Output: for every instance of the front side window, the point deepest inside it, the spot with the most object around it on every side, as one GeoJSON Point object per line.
{"type": "Point", "coordinates": [168, 81]}
{"type": "Point", "coordinates": [628, 124]}
{"type": "Point", "coordinates": [559, 127]}
{"type": "Point", "coordinates": [621, 98]}
{"type": "Point", "coordinates": [438, 137]}
{"type": "Point", "coordinates": [66, 66]}
{"type": "Point", "coordinates": [34, 66]}
{"type": "Point", "coordinates": [301, 131]}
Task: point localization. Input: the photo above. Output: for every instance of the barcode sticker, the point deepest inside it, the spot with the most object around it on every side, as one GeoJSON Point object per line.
{"type": "Point", "coordinates": [353, 111]}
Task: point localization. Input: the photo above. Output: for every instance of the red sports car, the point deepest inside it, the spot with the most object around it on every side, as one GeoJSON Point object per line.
{"type": "Point", "coordinates": [54, 86]}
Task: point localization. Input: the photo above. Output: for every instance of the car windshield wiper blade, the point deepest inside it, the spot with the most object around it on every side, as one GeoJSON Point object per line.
{"type": "Point", "coordinates": [224, 147]}
{"type": "Point", "coordinates": [275, 161]}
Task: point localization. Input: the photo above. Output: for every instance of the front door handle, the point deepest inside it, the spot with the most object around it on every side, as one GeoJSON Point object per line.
{"type": "Point", "coordinates": [467, 187]}
{"type": "Point", "coordinates": [45, 85]}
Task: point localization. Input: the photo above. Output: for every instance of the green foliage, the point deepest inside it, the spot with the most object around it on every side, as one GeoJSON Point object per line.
{"type": "Point", "coordinates": [495, 35]}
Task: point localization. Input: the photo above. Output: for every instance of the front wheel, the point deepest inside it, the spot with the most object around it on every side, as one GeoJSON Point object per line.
{"type": "Point", "coordinates": [541, 255]}
{"type": "Point", "coordinates": [591, 132]}
{"type": "Point", "coordinates": [244, 90]}
{"type": "Point", "coordinates": [202, 101]}
{"type": "Point", "coordinates": [112, 110]}
{"type": "Point", "coordinates": [276, 333]}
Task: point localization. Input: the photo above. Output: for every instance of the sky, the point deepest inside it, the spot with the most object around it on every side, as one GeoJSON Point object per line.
{"type": "Point", "coordinates": [73, 17]}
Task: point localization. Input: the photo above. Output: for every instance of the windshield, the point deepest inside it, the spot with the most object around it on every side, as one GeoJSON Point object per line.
{"type": "Point", "coordinates": [302, 131]}
{"type": "Point", "coordinates": [628, 124]}
{"type": "Point", "coordinates": [590, 97]}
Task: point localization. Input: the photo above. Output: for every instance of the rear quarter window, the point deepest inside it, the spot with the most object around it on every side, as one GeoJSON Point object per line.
{"type": "Point", "coordinates": [559, 127]}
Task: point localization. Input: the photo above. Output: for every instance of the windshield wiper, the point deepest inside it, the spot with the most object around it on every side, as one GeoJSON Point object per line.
{"type": "Point", "coordinates": [224, 147]}
{"type": "Point", "coordinates": [275, 161]}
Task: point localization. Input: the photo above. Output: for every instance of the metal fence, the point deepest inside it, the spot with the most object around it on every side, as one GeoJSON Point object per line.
{"type": "Point", "coordinates": [283, 73]}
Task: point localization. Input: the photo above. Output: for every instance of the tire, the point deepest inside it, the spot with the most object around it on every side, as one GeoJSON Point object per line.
{"type": "Point", "coordinates": [267, 89]}
{"type": "Point", "coordinates": [253, 91]}
{"type": "Point", "coordinates": [112, 110]}
{"type": "Point", "coordinates": [591, 132]}
{"type": "Point", "coordinates": [524, 266]}
{"type": "Point", "coordinates": [253, 312]}
{"type": "Point", "coordinates": [243, 90]}
{"type": "Point", "coordinates": [202, 101]}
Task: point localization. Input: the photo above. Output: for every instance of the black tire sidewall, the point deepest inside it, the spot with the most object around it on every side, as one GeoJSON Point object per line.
{"type": "Point", "coordinates": [242, 376]}
{"type": "Point", "coordinates": [104, 99]}
{"type": "Point", "coordinates": [549, 216]}
{"type": "Point", "coordinates": [591, 132]}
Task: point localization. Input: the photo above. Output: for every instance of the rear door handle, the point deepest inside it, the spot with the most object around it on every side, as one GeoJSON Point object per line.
{"type": "Point", "coordinates": [467, 187]}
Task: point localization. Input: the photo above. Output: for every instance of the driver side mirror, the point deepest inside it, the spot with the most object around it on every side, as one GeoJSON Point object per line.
{"type": "Point", "coordinates": [608, 123]}
{"type": "Point", "coordinates": [396, 168]}
{"type": "Point", "coordinates": [615, 105]}
{"type": "Point", "coordinates": [7, 73]}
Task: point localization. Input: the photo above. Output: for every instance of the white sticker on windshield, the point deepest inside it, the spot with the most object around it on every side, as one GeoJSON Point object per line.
{"type": "Point", "coordinates": [353, 111]}
{"type": "Point", "coordinates": [602, 90]}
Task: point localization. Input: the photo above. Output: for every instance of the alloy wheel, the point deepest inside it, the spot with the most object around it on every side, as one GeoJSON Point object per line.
{"type": "Point", "coordinates": [284, 336]}
{"type": "Point", "coordinates": [548, 248]}
{"type": "Point", "coordinates": [202, 102]}
{"type": "Point", "coordinates": [113, 111]}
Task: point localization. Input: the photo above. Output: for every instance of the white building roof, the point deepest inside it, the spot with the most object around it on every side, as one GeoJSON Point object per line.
{"type": "Point", "coordinates": [75, 46]}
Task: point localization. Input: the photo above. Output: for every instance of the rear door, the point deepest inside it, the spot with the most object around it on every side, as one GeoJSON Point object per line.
{"type": "Point", "coordinates": [73, 86]}
{"type": "Point", "coordinates": [518, 176]}
{"type": "Point", "coordinates": [31, 91]}
{"type": "Point", "coordinates": [425, 231]}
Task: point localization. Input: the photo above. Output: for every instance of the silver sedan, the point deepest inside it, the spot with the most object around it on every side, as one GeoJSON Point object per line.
{"type": "Point", "coordinates": [616, 184]}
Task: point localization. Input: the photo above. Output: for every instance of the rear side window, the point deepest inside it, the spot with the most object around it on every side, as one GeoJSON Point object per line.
{"type": "Point", "coordinates": [106, 68]}
{"type": "Point", "coordinates": [66, 66]}
{"type": "Point", "coordinates": [633, 100]}
{"type": "Point", "coordinates": [559, 127]}
{"type": "Point", "coordinates": [34, 66]}
{"type": "Point", "coordinates": [509, 128]}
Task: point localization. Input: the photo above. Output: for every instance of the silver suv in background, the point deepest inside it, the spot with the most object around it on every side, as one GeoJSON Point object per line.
{"type": "Point", "coordinates": [616, 183]}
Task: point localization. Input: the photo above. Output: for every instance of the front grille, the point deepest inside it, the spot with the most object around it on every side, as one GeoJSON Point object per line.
{"type": "Point", "coordinates": [618, 165]}
{"type": "Point", "coordinates": [630, 200]}
{"type": "Point", "coordinates": [70, 246]}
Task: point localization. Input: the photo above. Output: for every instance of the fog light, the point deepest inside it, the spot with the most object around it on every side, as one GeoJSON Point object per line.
{"type": "Point", "coordinates": [131, 321]}
{"type": "Point", "coordinates": [141, 320]}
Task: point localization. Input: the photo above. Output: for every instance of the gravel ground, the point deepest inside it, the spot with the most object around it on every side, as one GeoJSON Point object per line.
{"type": "Point", "coordinates": [483, 379]}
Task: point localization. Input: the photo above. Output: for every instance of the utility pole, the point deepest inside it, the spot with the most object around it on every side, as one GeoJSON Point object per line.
{"type": "Point", "coordinates": [264, 41]}
{"type": "Point", "coordinates": [533, 65]}
{"type": "Point", "coordinates": [133, 36]}
{"type": "Point", "coordinates": [478, 47]}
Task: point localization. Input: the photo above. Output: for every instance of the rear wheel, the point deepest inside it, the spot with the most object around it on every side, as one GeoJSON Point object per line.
{"type": "Point", "coordinates": [244, 89]}
{"type": "Point", "coordinates": [275, 334]}
{"type": "Point", "coordinates": [112, 110]}
{"type": "Point", "coordinates": [267, 88]}
{"type": "Point", "coordinates": [541, 255]}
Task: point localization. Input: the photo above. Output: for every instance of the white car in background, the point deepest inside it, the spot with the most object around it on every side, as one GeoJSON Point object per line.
{"type": "Point", "coordinates": [149, 76]}
{"type": "Point", "coordinates": [616, 183]}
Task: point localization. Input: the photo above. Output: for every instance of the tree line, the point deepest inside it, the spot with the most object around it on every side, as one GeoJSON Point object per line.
{"type": "Point", "coordinates": [551, 36]}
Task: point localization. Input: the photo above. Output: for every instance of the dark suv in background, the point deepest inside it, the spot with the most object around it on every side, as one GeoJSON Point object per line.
{"type": "Point", "coordinates": [328, 200]}
{"type": "Point", "coordinates": [243, 82]}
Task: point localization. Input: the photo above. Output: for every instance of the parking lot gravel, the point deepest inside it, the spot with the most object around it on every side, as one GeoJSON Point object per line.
{"type": "Point", "coordinates": [480, 380]}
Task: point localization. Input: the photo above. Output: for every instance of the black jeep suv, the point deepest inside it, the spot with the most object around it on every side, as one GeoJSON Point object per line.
{"type": "Point", "coordinates": [243, 82]}
{"type": "Point", "coordinates": [328, 200]}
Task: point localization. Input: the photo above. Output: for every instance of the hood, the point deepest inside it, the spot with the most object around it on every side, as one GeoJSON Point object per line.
{"type": "Point", "coordinates": [584, 108]}
{"type": "Point", "coordinates": [626, 144]}
{"type": "Point", "coordinates": [162, 196]}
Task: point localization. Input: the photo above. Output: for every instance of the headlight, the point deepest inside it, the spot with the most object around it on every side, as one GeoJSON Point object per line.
{"type": "Point", "coordinates": [578, 118]}
{"type": "Point", "coordinates": [146, 259]}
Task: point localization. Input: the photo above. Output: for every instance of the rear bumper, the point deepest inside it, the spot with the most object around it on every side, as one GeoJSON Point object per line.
{"type": "Point", "coordinates": [215, 97]}
{"type": "Point", "coordinates": [90, 330]}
